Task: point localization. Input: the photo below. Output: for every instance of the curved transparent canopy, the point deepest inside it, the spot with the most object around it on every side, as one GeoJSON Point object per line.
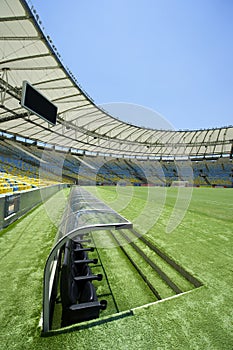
{"type": "Point", "coordinates": [84, 209]}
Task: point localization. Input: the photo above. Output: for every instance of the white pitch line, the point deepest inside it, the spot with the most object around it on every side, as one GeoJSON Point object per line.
{"type": "Point", "coordinates": [40, 325]}
{"type": "Point", "coordinates": [142, 306]}
{"type": "Point", "coordinates": [165, 299]}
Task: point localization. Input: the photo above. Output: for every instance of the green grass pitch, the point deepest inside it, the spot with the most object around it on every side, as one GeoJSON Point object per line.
{"type": "Point", "coordinates": [202, 318]}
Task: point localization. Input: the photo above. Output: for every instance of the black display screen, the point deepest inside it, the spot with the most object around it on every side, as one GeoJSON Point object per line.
{"type": "Point", "coordinates": [36, 103]}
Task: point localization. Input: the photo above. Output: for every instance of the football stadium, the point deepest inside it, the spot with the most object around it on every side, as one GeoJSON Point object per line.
{"type": "Point", "coordinates": [112, 235]}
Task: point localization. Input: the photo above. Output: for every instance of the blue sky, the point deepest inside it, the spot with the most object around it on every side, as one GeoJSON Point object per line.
{"type": "Point", "coordinates": [172, 56]}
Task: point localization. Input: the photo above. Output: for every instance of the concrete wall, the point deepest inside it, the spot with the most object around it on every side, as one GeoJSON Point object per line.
{"type": "Point", "coordinates": [13, 206]}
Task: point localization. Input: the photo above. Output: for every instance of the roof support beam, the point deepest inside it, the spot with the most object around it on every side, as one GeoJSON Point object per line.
{"type": "Point", "coordinates": [25, 58]}
{"type": "Point", "coordinates": [50, 81]}
{"type": "Point", "coordinates": [13, 19]}
{"type": "Point", "coordinates": [33, 68]}
{"type": "Point", "coordinates": [9, 89]}
{"type": "Point", "coordinates": [19, 38]}
{"type": "Point", "coordinates": [66, 97]}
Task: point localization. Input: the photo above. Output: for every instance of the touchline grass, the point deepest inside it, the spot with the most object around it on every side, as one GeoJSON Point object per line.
{"type": "Point", "coordinates": [202, 244]}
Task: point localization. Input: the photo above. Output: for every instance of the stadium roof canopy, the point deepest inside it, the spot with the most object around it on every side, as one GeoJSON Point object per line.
{"type": "Point", "coordinates": [27, 53]}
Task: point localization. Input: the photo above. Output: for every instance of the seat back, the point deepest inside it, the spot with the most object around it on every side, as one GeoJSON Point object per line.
{"type": "Point", "coordinates": [88, 293]}
{"type": "Point", "coordinates": [68, 287]}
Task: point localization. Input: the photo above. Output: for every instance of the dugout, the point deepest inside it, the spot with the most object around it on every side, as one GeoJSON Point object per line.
{"type": "Point", "coordinates": [84, 213]}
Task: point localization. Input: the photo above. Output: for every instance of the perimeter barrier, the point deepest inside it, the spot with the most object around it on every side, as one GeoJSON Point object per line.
{"type": "Point", "coordinates": [13, 206]}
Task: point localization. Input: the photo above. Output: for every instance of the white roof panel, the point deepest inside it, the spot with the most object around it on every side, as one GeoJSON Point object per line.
{"type": "Point", "coordinates": [28, 53]}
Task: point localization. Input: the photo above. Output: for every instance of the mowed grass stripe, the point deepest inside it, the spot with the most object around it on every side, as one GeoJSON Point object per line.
{"type": "Point", "coordinates": [138, 269]}
{"type": "Point", "coordinates": [191, 279]}
{"type": "Point", "coordinates": [201, 319]}
{"type": "Point", "coordinates": [157, 282]}
{"type": "Point", "coordinates": [127, 286]}
{"type": "Point", "coordinates": [27, 244]}
{"type": "Point", "coordinates": [182, 283]}
{"type": "Point", "coordinates": [161, 273]}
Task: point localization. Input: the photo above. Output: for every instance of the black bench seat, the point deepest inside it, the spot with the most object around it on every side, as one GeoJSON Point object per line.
{"type": "Point", "coordinates": [87, 309]}
{"type": "Point", "coordinates": [78, 294]}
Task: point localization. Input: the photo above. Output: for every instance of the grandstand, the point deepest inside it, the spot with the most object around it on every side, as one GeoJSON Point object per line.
{"type": "Point", "coordinates": [91, 293]}
{"type": "Point", "coordinates": [20, 163]}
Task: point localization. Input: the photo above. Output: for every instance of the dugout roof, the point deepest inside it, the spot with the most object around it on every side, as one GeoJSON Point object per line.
{"type": "Point", "coordinates": [28, 53]}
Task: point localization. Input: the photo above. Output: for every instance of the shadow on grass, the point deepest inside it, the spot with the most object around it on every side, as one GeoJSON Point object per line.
{"type": "Point", "coordinates": [88, 324]}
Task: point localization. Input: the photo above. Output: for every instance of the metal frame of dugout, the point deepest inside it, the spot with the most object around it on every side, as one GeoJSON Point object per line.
{"type": "Point", "coordinates": [84, 213]}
